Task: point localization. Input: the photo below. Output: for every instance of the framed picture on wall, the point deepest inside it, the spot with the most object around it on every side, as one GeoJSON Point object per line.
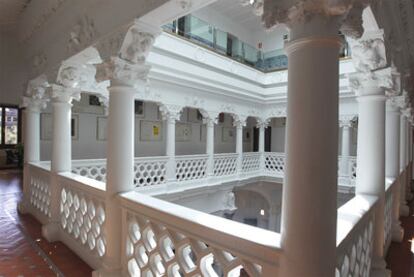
{"type": "Point", "coordinates": [183, 132]}
{"type": "Point", "coordinates": [139, 108]}
{"type": "Point", "coordinates": [228, 134]}
{"type": "Point", "coordinates": [150, 130]}
{"type": "Point", "coordinates": [94, 100]}
{"type": "Point", "coordinates": [101, 128]}
{"type": "Point", "coordinates": [74, 125]}
{"type": "Point", "coordinates": [221, 118]}
{"type": "Point", "coordinates": [46, 126]}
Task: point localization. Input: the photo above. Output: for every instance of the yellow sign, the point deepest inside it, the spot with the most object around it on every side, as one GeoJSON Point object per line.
{"type": "Point", "coordinates": [155, 131]}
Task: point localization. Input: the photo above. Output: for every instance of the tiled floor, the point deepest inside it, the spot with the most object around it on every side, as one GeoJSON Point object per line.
{"type": "Point", "coordinates": [400, 257]}
{"type": "Point", "coordinates": [23, 252]}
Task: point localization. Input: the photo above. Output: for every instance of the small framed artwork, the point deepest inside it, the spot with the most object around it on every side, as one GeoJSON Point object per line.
{"type": "Point", "coordinates": [74, 127]}
{"type": "Point", "coordinates": [247, 135]}
{"type": "Point", "coordinates": [194, 115]}
{"type": "Point", "coordinates": [228, 134]}
{"type": "Point", "coordinates": [101, 128]}
{"type": "Point", "coordinates": [150, 130]}
{"type": "Point", "coordinates": [46, 126]}
{"type": "Point", "coordinates": [94, 100]}
{"type": "Point", "coordinates": [183, 132]}
{"type": "Point", "coordinates": [139, 108]}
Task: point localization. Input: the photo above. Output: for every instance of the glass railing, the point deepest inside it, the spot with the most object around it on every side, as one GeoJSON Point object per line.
{"type": "Point", "coordinates": [224, 43]}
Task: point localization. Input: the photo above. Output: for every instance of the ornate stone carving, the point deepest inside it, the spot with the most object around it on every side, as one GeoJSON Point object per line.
{"type": "Point", "coordinates": [170, 112]}
{"type": "Point", "coordinates": [81, 35]}
{"type": "Point", "coordinates": [209, 117]}
{"type": "Point", "coordinates": [138, 42]}
{"type": "Point", "coordinates": [194, 102]}
{"type": "Point", "coordinates": [261, 122]}
{"type": "Point", "coordinates": [35, 97]}
{"type": "Point", "coordinates": [239, 120]}
{"type": "Point", "coordinates": [277, 112]}
{"type": "Point", "coordinates": [352, 24]}
{"type": "Point", "coordinates": [110, 44]}
{"type": "Point", "coordinates": [380, 78]}
{"type": "Point", "coordinates": [63, 94]}
{"type": "Point", "coordinates": [346, 120]}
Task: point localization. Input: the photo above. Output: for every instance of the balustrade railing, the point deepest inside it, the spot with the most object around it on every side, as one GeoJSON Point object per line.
{"type": "Point", "coordinates": [251, 162]}
{"type": "Point", "coordinates": [150, 171]}
{"type": "Point", "coordinates": [191, 167]}
{"type": "Point", "coordinates": [225, 164]}
{"type": "Point", "coordinates": [391, 189]}
{"type": "Point", "coordinates": [165, 239]}
{"type": "Point", "coordinates": [39, 192]}
{"type": "Point", "coordinates": [355, 236]}
{"type": "Point", "coordinates": [274, 163]}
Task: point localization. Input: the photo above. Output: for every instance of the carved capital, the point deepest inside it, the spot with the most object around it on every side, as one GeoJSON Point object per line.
{"type": "Point", "coordinates": [34, 104]}
{"type": "Point", "coordinates": [396, 103]}
{"type": "Point", "coordinates": [368, 52]}
{"type": "Point", "coordinates": [277, 112]}
{"type": "Point", "coordinates": [61, 94]}
{"type": "Point", "coordinates": [346, 120]}
{"type": "Point", "coordinates": [37, 87]}
{"type": "Point", "coordinates": [239, 121]}
{"type": "Point", "coordinates": [262, 122]}
{"type": "Point", "coordinates": [209, 117]}
{"type": "Point", "coordinates": [363, 82]}
{"type": "Point", "coordinates": [170, 112]}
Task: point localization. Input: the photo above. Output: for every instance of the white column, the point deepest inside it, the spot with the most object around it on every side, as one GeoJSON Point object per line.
{"type": "Point", "coordinates": [262, 124]}
{"type": "Point", "coordinates": [404, 209]}
{"type": "Point", "coordinates": [170, 114]}
{"type": "Point", "coordinates": [128, 74]}
{"type": "Point", "coordinates": [61, 152]}
{"type": "Point", "coordinates": [345, 124]}
{"type": "Point", "coordinates": [310, 184]}
{"type": "Point", "coordinates": [239, 123]}
{"type": "Point", "coordinates": [210, 145]}
{"type": "Point", "coordinates": [392, 162]}
{"type": "Point", "coordinates": [370, 176]}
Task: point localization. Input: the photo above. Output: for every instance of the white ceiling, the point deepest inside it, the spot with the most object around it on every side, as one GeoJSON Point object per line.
{"type": "Point", "coordinates": [243, 15]}
{"type": "Point", "coordinates": [10, 11]}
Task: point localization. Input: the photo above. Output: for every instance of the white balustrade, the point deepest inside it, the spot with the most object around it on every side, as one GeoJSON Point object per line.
{"type": "Point", "coordinates": [150, 171]}
{"type": "Point", "coordinates": [251, 162]}
{"type": "Point", "coordinates": [274, 163]}
{"type": "Point", "coordinates": [82, 216]}
{"type": "Point", "coordinates": [191, 167]}
{"type": "Point", "coordinates": [225, 164]}
{"type": "Point", "coordinates": [165, 239]}
{"type": "Point", "coordinates": [355, 237]}
{"type": "Point", "coordinates": [389, 197]}
{"type": "Point", "coordinates": [94, 169]}
{"type": "Point", "coordinates": [39, 191]}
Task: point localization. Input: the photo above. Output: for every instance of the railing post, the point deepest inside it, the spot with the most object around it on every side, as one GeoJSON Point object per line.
{"type": "Point", "coordinates": [62, 97]}
{"type": "Point", "coordinates": [345, 123]}
{"type": "Point", "coordinates": [170, 114]}
{"type": "Point", "coordinates": [239, 122]}
{"type": "Point", "coordinates": [392, 162]}
{"type": "Point", "coordinates": [210, 119]}
{"type": "Point", "coordinates": [34, 102]}
{"type": "Point", "coordinates": [128, 74]}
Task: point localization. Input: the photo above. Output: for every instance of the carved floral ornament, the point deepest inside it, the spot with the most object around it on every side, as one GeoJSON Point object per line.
{"type": "Point", "coordinates": [262, 123]}
{"type": "Point", "coordinates": [376, 79]}
{"type": "Point", "coordinates": [347, 120]}
{"type": "Point", "coordinates": [36, 97]}
{"type": "Point", "coordinates": [170, 111]}
{"type": "Point", "coordinates": [239, 120]}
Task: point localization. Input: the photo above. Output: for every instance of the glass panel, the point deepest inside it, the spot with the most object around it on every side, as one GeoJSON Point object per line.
{"type": "Point", "coordinates": [11, 119]}
{"type": "Point", "coordinates": [199, 30]}
{"type": "Point", "coordinates": [221, 42]}
{"type": "Point", "coordinates": [250, 54]}
{"type": "Point", "coordinates": [275, 60]}
{"type": "Point", "coordinates": [237, 49]}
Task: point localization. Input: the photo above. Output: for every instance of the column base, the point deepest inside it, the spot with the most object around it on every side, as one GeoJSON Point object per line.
{"type": "Point", "coordinates": [21, 207]}
{"type": "Point", "coordinates": [397, 232]}
{"type": "Point", "coordinates": [379, 268]}
{"type": "Point", "coordinates": [404, 210]}
{"type": "Point", "coordinates": [50, 231]}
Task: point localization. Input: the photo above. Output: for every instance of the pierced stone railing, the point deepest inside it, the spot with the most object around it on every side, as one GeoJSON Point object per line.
{"type": "Point", "coordinates": [191, 167]}
{"type": "Point", "coordinates": [94, 169]}
{"type": "Point", "coordinates": [150, 171]}
{"type": "Point", "coordinates": [82, 216]}
{"type": "Point", "coordinates": [275, 163]}
{"type": "Point", "coordinates": [165, 239]}
{"type": "Point", "coordinates": [225, 164]}
{"type": "Point", "coordinates": [389, 199]}
{"type": "Point", "coordinates": [251, 162]}
{"type": "Point", "coordinates": [355, 236]}
{"type": "Point", "coordinates": [39, 192]}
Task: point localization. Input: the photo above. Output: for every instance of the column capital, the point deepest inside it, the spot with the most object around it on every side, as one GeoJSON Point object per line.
{"type": "Point", "coordinates": [35, 97]}
{"type": "Point", "coordinates": [360, 82]}
{"type": "Point", "coordinates": [396, 103]}
{"type": "Point", "coordinates": [61, 94]}
{"type": "Point", "coordinates": [239, 121]}
{"type": "Point", "coordinates": [209, 117]}
{"type": "Point", "coordinates": [261, 122]}
{"type": "Point", "coordinates": [170, 112]}
{"type": "Point", "coordinates": [345, 120]}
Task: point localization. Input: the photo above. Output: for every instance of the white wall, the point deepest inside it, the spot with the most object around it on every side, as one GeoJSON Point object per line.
{"type": "Point", "coordinates": [278, 134]}
{"type": "Point", "coordinates": [13, 73]}
{"type": "Point", "coordinates": [87, 146]}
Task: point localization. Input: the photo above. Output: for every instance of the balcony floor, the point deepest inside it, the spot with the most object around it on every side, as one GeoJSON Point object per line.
{"type": "Point", "coordinates": [23, 252]}
{"type": "Point", "coordinates": [400, 258]}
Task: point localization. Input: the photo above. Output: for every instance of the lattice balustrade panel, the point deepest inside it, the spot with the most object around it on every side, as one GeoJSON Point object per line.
{"type": "Point", "coordinates": [191, 168]}
{"type": "Point", "coordinates": [150, 173]}
{"type": "Point", "coordinates": [225, 165]}
{"type": "Point", "coordinates": [251, 162]}
{"type": "Point", "coordinates": [40, 194]}
{"type": "Point", "coordinates": [353, 166]}
{"type": "Point", "coordinates": [154, 249]}
{"type": "Point", "coordinates": [274, 163]}
{"type": "Point", "coordinates": [96, 172]}
{"type": "Point", "coordinates": [388, 216]}
{"type": "Point", "coordinates": [83, 218]}
{"type": "Point", "coordinates": [354, 259]}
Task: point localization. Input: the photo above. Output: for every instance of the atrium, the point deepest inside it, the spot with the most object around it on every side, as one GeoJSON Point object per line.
{"type": "Point", "coordinates": [206, 138]}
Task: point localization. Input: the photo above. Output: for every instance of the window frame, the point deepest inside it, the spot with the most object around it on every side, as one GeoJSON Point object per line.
{"type": "Point", "coordinates": [3, 145]}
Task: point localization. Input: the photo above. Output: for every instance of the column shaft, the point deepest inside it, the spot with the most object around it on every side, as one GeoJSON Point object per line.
{"type": "Point", "coordinates": [62, 140]}
{"type": "Point", "coordinates": [404, 209]}
{"type": "Point", "coordinates": [31, 135]}
{"type": "Point", "coordinates": [239, 146]}
{"type": "Point", "coordinates": [210, 147]}
{"type": "Point", "coordinates": [170, 148]}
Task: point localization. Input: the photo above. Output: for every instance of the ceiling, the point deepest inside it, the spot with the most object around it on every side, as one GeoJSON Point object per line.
{"type": "Point", "coordinates": [10, 11]}
{"type": "Point", "coordinates": [236, 12]}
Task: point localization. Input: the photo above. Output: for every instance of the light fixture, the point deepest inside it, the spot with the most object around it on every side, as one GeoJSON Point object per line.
{"type": "Point", "coordinates": [262, 212]}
